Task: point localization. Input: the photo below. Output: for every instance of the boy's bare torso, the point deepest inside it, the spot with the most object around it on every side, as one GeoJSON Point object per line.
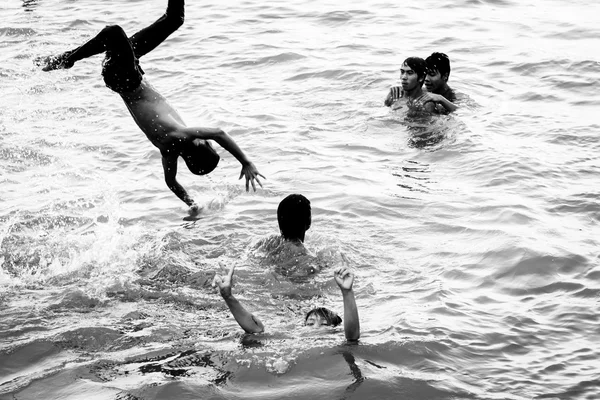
{"type": "Point", "coordinates": [155, 116]}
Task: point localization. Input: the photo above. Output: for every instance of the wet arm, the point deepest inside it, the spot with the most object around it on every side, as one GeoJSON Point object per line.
{"type": "Point", "coordinates": [248, 322]}
{"type": "Point", "coordinates": [388, 100]}
{"type": "Point", "coordinates": [222, 138]}
{"type": "Point", "coordinates": [447, 104]}
{"type": "Point", "coordinates": [351, 321]}
{"type": "Point", "coordinates": [170, 171]}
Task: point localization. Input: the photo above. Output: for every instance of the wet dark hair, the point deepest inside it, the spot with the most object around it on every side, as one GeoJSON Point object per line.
{"type": "Point", "coordinates": [418, 65]}
{"type": "Point", "coordinates": [438, 62]}
{"type": "Point", "coordinates": [294, 216]}
{"type": "Point", "coordinates": [200, 159]}
{"type": "Point", "coordinates": [332, 318]}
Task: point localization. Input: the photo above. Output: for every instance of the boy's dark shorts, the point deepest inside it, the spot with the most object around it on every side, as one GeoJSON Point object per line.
{"type": "Point", "coordinates": [121, 78]}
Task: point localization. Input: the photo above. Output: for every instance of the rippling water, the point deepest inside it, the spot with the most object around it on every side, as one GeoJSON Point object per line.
{"type": "Point", "coordinates": [475, 236]}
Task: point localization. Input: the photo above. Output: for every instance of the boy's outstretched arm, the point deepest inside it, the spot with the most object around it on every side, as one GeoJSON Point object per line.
{"type": "Point", "coordinates": [344, 279]}
{"type": "Point", "coordinates": [227, 142]}
{"type": "Point", "coordinates": [170, 170]}
{"type": "Point", "coordinates": [248, 322]}
{"type": "Point", "coordinates": [447, 104]}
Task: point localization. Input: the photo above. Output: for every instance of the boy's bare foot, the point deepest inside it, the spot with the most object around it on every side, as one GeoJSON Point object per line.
{"type": "Point", "coordinates": [50, 63]}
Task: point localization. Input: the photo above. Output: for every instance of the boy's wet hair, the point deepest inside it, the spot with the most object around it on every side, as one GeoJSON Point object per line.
{"type": "Point", "coordinates": [200, 159]}
{"type": "Point", "coordinates": [332, 318]}
{"type": "Point", "coordinates": [294, 216]}
{"type": "Point", "coordinates": [418, 65]}
{"type": "Point", "coordinates": [438, 62]}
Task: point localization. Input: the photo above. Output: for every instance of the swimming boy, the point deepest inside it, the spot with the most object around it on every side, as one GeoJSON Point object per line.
{"type": "Point", "coordinates": [314, 318]}
{"type": "Point", "coordinates": [412, 77]}
{"type": "Point", "coordinates": [287, 251]}
{"type": "Point", "coordinates": [153, 114]}
{"type": "Point", "coordinates": [436, 81]}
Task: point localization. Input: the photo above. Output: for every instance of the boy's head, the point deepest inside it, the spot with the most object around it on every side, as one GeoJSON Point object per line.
{"type": "Point", "coordinates": [294, 217]}
{"type": "Point", "coordinates": [439, 62]}
{"type": "Point", "coordinates": [322, 316]}
{"type": "Point", "coordinates": [199, 157]}
{"type": "Point", "coordinates": [418, 65]}
{"type": "Point", "coordinates": [438, 71]}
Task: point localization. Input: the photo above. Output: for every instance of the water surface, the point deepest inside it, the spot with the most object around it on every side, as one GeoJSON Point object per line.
{"type": "Point", "coordinates": [474, 236]}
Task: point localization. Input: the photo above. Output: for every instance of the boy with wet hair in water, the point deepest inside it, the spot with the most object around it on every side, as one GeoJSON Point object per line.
{"type": "Point", "coordinates": [287, 251]}
{"type": "Point", "coordinates": [156, 118]}
{"type": "Point", "coordinates": [294, 217]}
{"type": "Point", "coordinates": [412, 76]}
{"type": "Point", "coordinates": [318, 317]}
{"type": "Point", "coordinates": [436, 81]}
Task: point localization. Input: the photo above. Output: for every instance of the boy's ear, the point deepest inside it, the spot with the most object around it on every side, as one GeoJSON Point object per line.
{"type": "Point", "coordinates": [445, 77]}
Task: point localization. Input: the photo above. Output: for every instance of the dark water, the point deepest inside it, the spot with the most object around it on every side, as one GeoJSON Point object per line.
{"type": "Point", "coordinates": [474, 236]}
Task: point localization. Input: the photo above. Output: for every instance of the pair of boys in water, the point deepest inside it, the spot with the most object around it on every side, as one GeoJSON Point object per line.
{"type": "Point", "coordinates": [434, 72]}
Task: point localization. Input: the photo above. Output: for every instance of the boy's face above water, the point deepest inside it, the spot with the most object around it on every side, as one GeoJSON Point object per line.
{"type": "Point", "coordinates": [434, 81]}
{"type": "Point", "coordinates": [316, 321]}
{"type": "Point", "coordinates": [408, 77]}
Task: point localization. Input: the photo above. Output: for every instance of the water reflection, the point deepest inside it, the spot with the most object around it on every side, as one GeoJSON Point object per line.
{"type": "Point", "coordinates": [29, 5]}
{"type": "Point", "coordinates": [354, 370]}
{"type": "Point", "coordinates": [427, 132]}
{"type": "Point", "coordinates": [414, 176]}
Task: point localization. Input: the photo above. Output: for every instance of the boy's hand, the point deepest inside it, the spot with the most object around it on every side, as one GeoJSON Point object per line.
{"type": "Point", "coordinates": [394, 94]}
{"type": "Point", "coordinates": [344, 278]}
{"type": "Point", "coordinates": [224, 282]}
{"type": "Point", "coordinates": [438, 98]}
{"type": "Point", "coordinates": [251, 173]}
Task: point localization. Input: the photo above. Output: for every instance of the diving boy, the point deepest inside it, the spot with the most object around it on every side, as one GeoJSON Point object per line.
{"type": "Point", "coordinates": [153, 114]}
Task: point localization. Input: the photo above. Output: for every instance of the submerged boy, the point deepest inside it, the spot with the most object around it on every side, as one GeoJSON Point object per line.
{"type": "Point", "coordinates": [318, 317]}
{"type": "Point", "coordinates": [153, 114]}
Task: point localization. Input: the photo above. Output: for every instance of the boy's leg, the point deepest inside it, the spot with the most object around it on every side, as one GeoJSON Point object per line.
{"type": "Point", "coordinates": [142, 42]}
{"type": "Point", "coordinates": [112, 40]}
{"type": "Point", "coordinates": [150, 37]}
